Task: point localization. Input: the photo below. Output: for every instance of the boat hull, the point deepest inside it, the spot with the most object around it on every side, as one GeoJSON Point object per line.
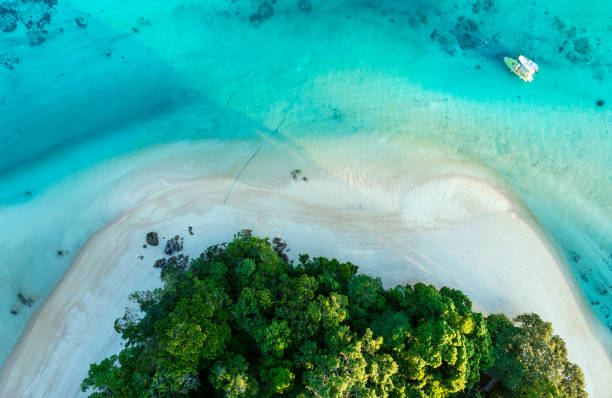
{"type": "Point", "coordinates": [512, 63]}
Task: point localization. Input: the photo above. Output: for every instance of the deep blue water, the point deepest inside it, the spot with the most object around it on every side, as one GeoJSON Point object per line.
{"type": "Point", "coordinates": [83, 82]}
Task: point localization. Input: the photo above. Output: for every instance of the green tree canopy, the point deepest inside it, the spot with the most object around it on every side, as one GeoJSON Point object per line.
{"type": "Point", "coordinates": [241, 321]}
{"type": "Point", "coordinates": [530, 361]}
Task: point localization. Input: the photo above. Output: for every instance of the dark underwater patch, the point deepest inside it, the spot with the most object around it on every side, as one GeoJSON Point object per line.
{"type": "Point", "coordinates": [33, 15]}
{"type": "Point", "coordinates": [264, 11]}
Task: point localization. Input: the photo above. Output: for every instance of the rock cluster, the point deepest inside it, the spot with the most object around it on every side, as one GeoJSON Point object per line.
{"type": "Point", "coordinates": [297, 175]}
{"type": "Point", "coordinates": [181, 261]}
{"type": "Point", "coordinates": [173, 245]}
{"type": "Point", "coordinates": [25, 300]}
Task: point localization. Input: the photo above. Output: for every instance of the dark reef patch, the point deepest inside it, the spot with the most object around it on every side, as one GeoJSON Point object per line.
{"type": "Point", "coordinates": [484, 5]}
{"type": "Point", "coordinates": [304, 5]}
{"type": "Point", "coordinates": [10, 62]}
{"type": "Point", "coordinates": [581, 45]}
{"type": "Point", "coordinates": [264, 11]}
{"type": "Point", "coordinates": [337, 115]}
{"type": "Point", "coordinates": [36, 37]}
{"type": "Point", "coordinates": [81, 22]}
{"type": "Point", "coordinates": [600, 103]}
{"type": "Point", "coordinates": [417, 19]}
{"type": "Point", "coordinates": [575, 257]}
{"type": "Point", "coordinates": [34, 15]}
{"type": "Point", "coordinates": [444, 41]}
{"type": "Point", "coordinates": [8, 19]}
{"type": "Point", "coordinates": [464, 31]}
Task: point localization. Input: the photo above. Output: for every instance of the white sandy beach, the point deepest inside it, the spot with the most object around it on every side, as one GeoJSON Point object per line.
{"type": "Point", "coordinates": [403, 215]}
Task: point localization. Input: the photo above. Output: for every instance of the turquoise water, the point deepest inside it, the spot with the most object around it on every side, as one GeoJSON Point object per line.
{"type": "Point", "coordinates": [94, 81]}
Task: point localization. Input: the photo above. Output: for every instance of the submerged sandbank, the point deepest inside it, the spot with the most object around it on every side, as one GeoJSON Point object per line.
{"type": "Point", "coordinates": [404, 215]}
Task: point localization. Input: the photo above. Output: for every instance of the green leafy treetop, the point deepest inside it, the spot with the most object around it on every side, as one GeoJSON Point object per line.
{"type": "Point", "coordinates": [241, 321]}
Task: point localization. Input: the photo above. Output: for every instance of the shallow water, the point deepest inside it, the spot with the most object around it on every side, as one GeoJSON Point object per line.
{"type": "Point", "coordinates": [98, 80]}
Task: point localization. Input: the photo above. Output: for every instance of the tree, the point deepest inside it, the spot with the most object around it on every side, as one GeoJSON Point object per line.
{"type": "Point", "coordinates": [440, 347]}
{"type": "Point", "coordinates": [529, 360]}
{"type": "Point", "coordinates": [241, 321]}
{"type": "Point", "coordinates": [231, 379]}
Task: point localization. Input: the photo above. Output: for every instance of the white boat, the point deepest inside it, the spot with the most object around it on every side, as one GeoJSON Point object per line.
{"type": "Point", "coordinates": [529, 64]}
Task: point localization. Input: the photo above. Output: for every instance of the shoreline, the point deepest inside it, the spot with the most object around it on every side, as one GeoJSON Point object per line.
{"type": "Point", "coordinates": [355, 211]}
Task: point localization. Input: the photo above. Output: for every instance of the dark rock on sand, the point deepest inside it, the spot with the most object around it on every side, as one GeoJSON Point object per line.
{"type": "Point", "coordinates": [295, 173]}
{"type": "Point", "coordinates": [190, 229]}
{"type": "Point", "coordinates": [152, 239]}
{"type": "Point", "coordinates": [600, 102]}
{"type": "Point", "coordinates": [14, 311]}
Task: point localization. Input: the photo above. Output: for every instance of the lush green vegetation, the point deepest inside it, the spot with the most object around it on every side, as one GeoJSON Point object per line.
{"type": "Point", "coordinates": [241, 321]}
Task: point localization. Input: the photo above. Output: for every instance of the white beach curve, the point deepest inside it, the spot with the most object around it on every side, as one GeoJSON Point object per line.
{"type": "Point", "coordinates": [440, 222]}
